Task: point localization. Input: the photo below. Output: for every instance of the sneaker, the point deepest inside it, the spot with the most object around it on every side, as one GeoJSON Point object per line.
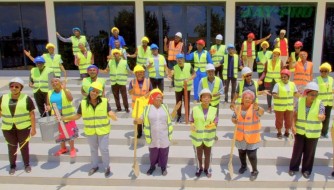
{"type": "Point", "coordinates": [269, 110]}
{"type": "Point", "coordinates": [242, 169]}
{"type": "Point", "coordinates": [178, 120]}
{"type": "Point", "coordinates": [27, 169]}
{"type": "Point", "coordinates": [118, 110]}
{"type": "Point", "coordinates": [286, 134]}
{"type": "Point", "coordinates": [73, 153]}
{"type": "Point", "coordinates": [61, 151]}
{"type": "Point", "coordinates": [150, 171]}
{"type": "Point", "coordinates": [291, 173]}
{"type": "Point", "coordinates": [306, 174]}
{"type": "Point", "coordinates": [92, 171]}
{"type": "Point", "coordinates": [279, 135]}
{"type": "Point", "coordinates": [207, 173]}
{"type": "Point", "coordinates": [198, 172]}
{"type": "Point", "coordinates": [127, 110]}
{"type": "Point", "coordinates": [253, 175]}
{"type": "Point", "coordinates": [12, 171]}
{"type": "Point", "coordinates": [164, 172]}
{"type": "Point", "coordinates": [107, 172]}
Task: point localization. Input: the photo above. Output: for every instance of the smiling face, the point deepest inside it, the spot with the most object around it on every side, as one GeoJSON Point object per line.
{"type": "Point", "coordinates": [94, 93]}
{"type": "Point", "coordinates": [55, 83]}
{"type": "Point", "coordinates": [39, 65]}
{"type": "Point", "coordinates": [92, 72]}
{"type": "Point", "coordinates": [285, 78]}
{"type": "Point", "coordinates": [324, 72]}
{"type": "Point", "coordinates": [247, 100]}
{"type": "Point", "coordinates": [15, 88]}
{"type": "Point", "coordinates": [248, 77]}
{"type": "Point", "coordinates": [158, 100]}
{"type": "Point", "coordinates": [206, 99]}
{"type": "Point", "coordinates": [311, 96]}
{"type": "Point", "coordinates": [140, 75]}
{"type": "Point", "coordinates": [303, 56]}
{"type": "Point", "coordinates": [211, 74]}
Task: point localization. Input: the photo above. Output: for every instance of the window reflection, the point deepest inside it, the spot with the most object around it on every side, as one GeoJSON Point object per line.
{"type": "Point", "coordinates": [328, 45]}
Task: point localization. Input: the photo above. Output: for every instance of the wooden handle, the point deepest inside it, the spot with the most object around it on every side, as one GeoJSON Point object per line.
{"type": "Point", "coordinates": [62, 125]}
{"type": "Point", "coordinates": [186, 105]}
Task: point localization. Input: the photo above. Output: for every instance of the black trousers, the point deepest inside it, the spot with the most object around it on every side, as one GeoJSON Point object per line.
{"type": "Point", "coordinates": [303, 147]}
{"type": "Point", "coordinates": [261, 87]}
{"type": "Point", "coordinates": [252, 157]}
{"type": "Point", "coordinates": [40, 98]}
{"type": "Point", "coordinates": [179, 96]}
{"type": "Point", "coordinates": [16, 138]}
{"type": "Point", "coordinates": [325, 123]}
{"type": "Point", "coordinates": [116, 89]}
{"type": "Point", "coordinates": [227, 85]}
{"type": "Point", "coordinates": [157, 83]}
{"type": "Point", "coordinates": [270, 87]}
{"type": "Point", "coordinates": [219, 72]}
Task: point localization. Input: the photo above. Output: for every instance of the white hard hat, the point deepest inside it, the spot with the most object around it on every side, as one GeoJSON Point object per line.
{"type": "Point", "coordinates": [246, 70]}
{"type": "Point", "coordinates": [312, 86]}
{"type": "Point", "coordinates": [205, 91]}
{"type": "Point", "coordinates": [210, 67]}
{"type": "Point", "coordinates": [179, 34]}
{"type": "Point", "coordinates": [219, 37]}
{"type": "Point", "coordinates": [17, 80]}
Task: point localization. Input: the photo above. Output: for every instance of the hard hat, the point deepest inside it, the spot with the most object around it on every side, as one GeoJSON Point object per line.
{"type": "Point", "coordinates": [246, 70]}
{"type": "Point", "coordinates": [277, 50]}
{"type": "Point", "coordinates": [298, 44]}
{"type": "Point", "coordinates": [264, 43]}
{"type": "Point", "coordinates": [286, 72]}
{"type": "Point", "coordinates": [50, 45]}
{"type": "Point", "coordinates": [283, 31]}
{"type": "Point", "coordinates": [138, 68]}
{"type": "Point", "coordinates": [200, 42]}
{"type": "Point", "coordinates": [17, 80]}
{"type": "Point", "coordinates": [116, 51]}
{"type": "Point", "coordinates": [219, 37]}
{"type": "Point", "coordinates": [145, 39]}
{"type": "Point", "coordinates": [312, 86]}
{"type": "Point", "coordinates": [179, 56]}
{"type": "Point", "coordinates": [205, 91]}
{"type": "Point", "coordinates": [326, 66]}
{"type": "Point", "coordinates": [93, 66]}
{"type": "Point", "coordinates": [76, 29]}
{"type": "Point", "coordinates": [230, 46]}
{"type": "Point", "coordinates": [156, 90]}
{"type": "Point", "coordinates": [210, 67]}
{"type": "Point", "coordinates": [179, 34]}
{"type": "Point", "coordinates": [39, 59]}
{"type": "Point", "coordinates": [96, 85]}
{"type": "Point", "coordinates": [154, 46]}
{"type": "Point", "coordinates": [251, 35]}
{"type": "Point", "coordinates": [114, 28]}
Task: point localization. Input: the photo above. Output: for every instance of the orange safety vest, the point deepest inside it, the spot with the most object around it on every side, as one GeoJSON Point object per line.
{"type": "Point", "coordinates": [173, 51]}
{"type": "Point", "coordinates": [248, 128]}
{"type": "Point", "coordinates": [137, 91]}
{"type": "Point", "coordinates": [302, 77]}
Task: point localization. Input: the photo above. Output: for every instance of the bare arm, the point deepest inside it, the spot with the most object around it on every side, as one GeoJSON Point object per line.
{"type": "Point", "coordinates": [33, 123]}
{"type": "Point", "coordinates": [27, 53]}
{"type": "Point", "coordinates": [72, 117]}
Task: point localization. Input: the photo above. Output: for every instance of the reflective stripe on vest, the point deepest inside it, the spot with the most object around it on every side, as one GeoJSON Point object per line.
{"type": "Point", "coordinates": [217, 54]}
{"type": "Point", "coordinates": [21, 117]}
{"type": "Point", "coordinates": [147, 126]}
{"type": "Point", "coordinates": [248, 128]}
{"type": "Point", "coordinates": [173, 51]}
{"type": "Point", "coordinates": [75, 43]}
{"type": "Point", "coordinates": [86, 82]}
{"type": "Point", "coordinates": [273, 73]}
{"type": "Point", "coordinates": [142, 55]}
{"type": "Point", "coordinates": [152, 71]}
{"type": "Point", "coordinates": [285, 100]}
{"type": "Point", "coordinates": [245, 47]}
{"type": "Point", "coordinates": [203, 135]}
{"type": "Point", "coordinates": [302, 77]}
{"type": "Point", "coordinates": [96, 121]}
{"type": "Point", "coordinates": [310, 126]}
{"type": "Point", "coordinates": [67, 109]}
{"type": "Point", "coordinates": [41, 80]}
{"type": "Point", "coordinates": [119, 73]}
{"type": "Point", "coordinates": [215, 99]}
{"type": "Point", "coordinates": [53, 63]}
{"type": "Point", "coordinates": [325, 93]}
{"type": "Point", "coordinates": [84, 62]}
{"type": "Point", "coordinates": [137, 91]}
{"type": "Point", "coordinates": [200, 63]}
{"type": "Point", "coordinates": [242, 89]}
{"type": "Point", "coordinates": [263, 58]}
{"type": "Point", "coordinates": [235, 66]}
{"type": "Point", "coordinates": [181, 75]}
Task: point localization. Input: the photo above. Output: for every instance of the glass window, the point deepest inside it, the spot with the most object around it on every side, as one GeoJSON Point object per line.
{"type": "Point", "coordinates": [328, 45]}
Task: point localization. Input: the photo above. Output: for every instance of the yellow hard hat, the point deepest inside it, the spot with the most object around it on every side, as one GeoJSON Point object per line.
{"type": "Point", "coordinates": [116, 51]}
{"type": "Point", "coordinates": [145, 39]}
{"type": "Point", "coordinates": [138, 68]}
{"type": "Point", "coordinates": [277, 50]}
{"type": "Point", "coordinates": [326, 66]}
{"type": "Point", "coordinates": [156, 90]}
{"type": "Point", "coordinates": [50, 45]}
{"type": "Point", "coordinates": [265, 43]}
{"type": "Point", "coordinates": [97, 85]}
{"type": "Point", "coordinates": [114, 28]}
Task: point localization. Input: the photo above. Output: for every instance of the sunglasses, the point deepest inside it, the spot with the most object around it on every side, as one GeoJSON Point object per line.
{"type": "Point", "coordinates": [13, 86]}
{"type": "Point", "coordinates": [322, 71]}
{"type": "Point", "coordinates": [248, 75]}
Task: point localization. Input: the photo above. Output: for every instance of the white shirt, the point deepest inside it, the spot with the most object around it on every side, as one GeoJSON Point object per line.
{"type": "Point", "coordinates": [159, 127]}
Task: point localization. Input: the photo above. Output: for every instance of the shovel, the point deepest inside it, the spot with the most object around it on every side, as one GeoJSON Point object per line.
{"type": "Point", "coordinates": [332, 134]}
{"type": "Point", "coordinates": [135, 167]}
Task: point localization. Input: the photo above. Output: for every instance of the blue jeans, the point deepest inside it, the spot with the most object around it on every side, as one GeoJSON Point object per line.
{"type": "Point", "coordinates": [199, 76]}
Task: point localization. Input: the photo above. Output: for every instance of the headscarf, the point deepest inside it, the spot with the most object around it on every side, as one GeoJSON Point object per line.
{"type": "Point", "coordinates": [153, 95]}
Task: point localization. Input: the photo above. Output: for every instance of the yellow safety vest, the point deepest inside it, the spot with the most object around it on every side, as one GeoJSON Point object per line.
{"type": "Point", "coordinates": [285, 100]}
{"type": "Point", "coordinates": [53, 63]}
{"type": "Point", "coordinates": [142, 55]}
{"type": "Point", "coordinates": [241, 90]}
{"type": "Point", "coordinates": [67, 109]}
{"type": "Point", "coordinates": [263, 58]}
{"type": "Point", "coordinates": [181, 75]}
{"type": "Point", "coordinates": [152, 73]}
{"type": "Point", "coordinates": [235, 66]}
{"type": "Point", "coordinates": [86, 82]}
{"type": "Point", "coordinates": [217, 54]}
{"type": "Point", "coordinates": [84, 62]}
{"type": "Point", "coordinates": [41, 80]}
{"type": "Point", "coordinates": [293, 60]}
{"type": "Point", "coordinates": [273, 73]}
{"type": "Point", "coordinates": [200, 63]}
{"type": "Point", "coordinates": [215, 99]}
{"type": "Point", "coordinates": [244, 51]}
{"type": "Point", "coordinates": [325, 91]}
{"type": "Point", "coordinates": [118, 72]}
{"type": "Point", "coordinates": [75, 43]}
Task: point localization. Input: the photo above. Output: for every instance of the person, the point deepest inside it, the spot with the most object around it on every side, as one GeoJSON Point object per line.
{"type": "Point", "coordinates": [261, 59]}
{"type": "Point", "coordinates": [247, 52]}
{"type": "Point", "coordinates": [143, 52]}
{"type": "Point", "coordinates": [183, 74]}
{"type": "Point", "coordinates": [157, 67]}
{"type": "Point", "coordinates": [231, 63]}
{"type": "Point", "coordinates": [18, 123]}
{"type": "Point", "coordinates": [271, 74]}
{"type": "Point", "coordinates": [96, 126]}
{"type": "Point", "coordinates": [83, 59]}
{"type": "Point", "coordinates": [308, 115]}
{"type": "Point", "coordinates": [118, 46]}
{"type": "Point", "coordinates": [138, 87]}
{"type": "Point", "coordinates": [93, 72]}
{"type": "Point", "coordinates": [246, 117]}
{"type": "Point", "coordinates": [203, 122]}
{"type": "Point", "coordinates": [115, 36]}
{"type": "Point", "coordinates": [201, 58]}
{"type": "Point", "coordinates": [326, 89]}
{"type": "Point", "coordinates": [39, 81]}
{"type": "Point", "coordinates": [75, 40]}
{"type": "Point", "coordinates": [303, 72]}
{"type": "Point", "coordinates": [281, 43]}
{"type": "Point", "coordinates": [283, 93]}
{"type": "Point", "coordinates": [63, 98]}
{"type": "Point", "coordinates": [52, 60]}
{"type": "Point", "coordinates": [158, 131]}
{"type": "Point", "coordinates": [214, 84]}
{"type": "Point", "coordinates": [217, 52]}
{"type": "Point", "coordinates": [294, 56]}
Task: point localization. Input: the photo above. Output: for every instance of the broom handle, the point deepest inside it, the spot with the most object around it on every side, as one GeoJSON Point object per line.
{"type": "Point", "coordinates": [62, 125]}
{"type": "Point", "coordinates": [136, 133]}
{"type": "Point", "coordinates": [186, 106]}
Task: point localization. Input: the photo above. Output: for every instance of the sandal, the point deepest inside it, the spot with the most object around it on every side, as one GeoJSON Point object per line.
{"type": "Point", "coordinates": [61, 151]}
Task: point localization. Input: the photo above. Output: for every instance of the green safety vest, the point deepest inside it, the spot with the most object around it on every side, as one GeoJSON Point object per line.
{"type": "Point", "coordinates": [273, 73]}
{"type": "Point", "coordinates": [147, 126]}
{"type": "Point", "coordinates": [152, 72]}
{"type": "Point", "coordinates": [285, 100]}
{"type": "Point", "coordinates": [75, 43]}
{"type": "Point", "coordinates": [310, 126]}
{"type": "Point", "coordinates": [244, 51]}
{"type": "Point", "coordinates": [41, 80]}
{"type": "Point", "coordinates": [142, 55]}
{"type": "Point", "coordinates": [241, 90]}
{"type": "Point", "coordinates": [96, 121]}
{"type": "Point", "coordinates": [219, 53]}
{"type": "Point", "coordinates": [84, 62]}
{"type": "Point", "coordinates": [181, 75]}
{"type": "Point", "coordinates": [118, 73]}
{"type": "Point", "coordinates": [53, 63]}
{"type": "Point", "coordinates": [215, 99]}
{"type": "Point", "coordinates": [21, 117]}
{"type": "Point", "coordinates": [235, 66]}
{"type": "Point", "coordinates": [325, 91]}
{"type": "Point", "coordinates": [293, 59]}
{"type": "Point", "coordinates": [67, 109]}
{"type": "Point", "coordinates": [86, 82]}
{"type": "Point", "coordinates": [203, 135]}
{"type": "Point", "coordinates": [200, 63]}
{"type": "Point", "coordinates": [263, 58]}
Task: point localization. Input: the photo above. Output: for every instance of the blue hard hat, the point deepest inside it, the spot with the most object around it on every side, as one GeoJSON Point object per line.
{"type": "Point", "coordinates": [154, 46]}
{"type": "Point", "coordinates": [76, 28]}
{"type": "Point", "coordinates": [39, 59]}
{"type": "Point", "coordinates": [230, 46]}
{"type": "Point", "coordinates": [179, 56]}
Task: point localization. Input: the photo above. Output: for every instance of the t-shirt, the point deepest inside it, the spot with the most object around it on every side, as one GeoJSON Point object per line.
{"type": "Point", "coordinates": [56, 98]}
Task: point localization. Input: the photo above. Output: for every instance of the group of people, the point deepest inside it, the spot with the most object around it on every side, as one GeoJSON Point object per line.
{"type": "Point", "coordinates": [302, 103]}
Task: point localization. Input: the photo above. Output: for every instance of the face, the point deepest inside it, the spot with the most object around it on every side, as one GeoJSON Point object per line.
{"type": "Point", "coordinates": [94, 93]}
{"type": "Point", "coordinates": [248, 77]}
{"type": "Point", "coordinates": [155, 51]}
{"type": "Point", "coordinates": [39, 65]}
{"type": "Point", "coordinates": [117, 56]}
{"type": "Point", "coordinates": [324, 72]}
{"type": "Point", "coordinates": [92, 72]}
{"type": "Point", "coordinates": [285, 78]}
{"type": "Point", "coordinates": [297, 49]}
{"type": "Point", "coordinates": [311, 95]}
{"type": "Point", "coordinates": [250, 39]}
{"type": "Point", "coordinates": [144, 43]}
{"type": "Point", "coordinates": [206, 99]}
{"type": "Point", "coordinates": [264, 47]}
{"type": "Point", "coordinates": [180, 61]}
{"type": "Point", "coordinates": [140, 75]}
{"type": "Point", "coordinates": [51, 50]}
{"type": "Point", "coordinates": [303, 56]}
{"type": "Point", "coordinates": [230, 51]}
{"type": "Point", "coordinates": [76, 33]}
{"type": "Point", "coordinates": [158, 100]}
{"type": "Point", "coordinates": [247, 99]}
{"type": "Point", "coordinates": [81, 47]}
{"type": "Point", "coordinates": [55, 83]}
{"type": "Point", "coordinates": [276, 55]}
{"type": "Point", "coordinates": [199, 46]}
{"type": "Point", "coordinates": [281, 35]}
{"type": "Point", "coordinates": [218, 41]}
{"type": "Point", "coordinates": [211, 73]}
{"type": "Point", "coordinates": [117, 44]}
{"type": "Point", "coordinates": [177, 39]}
{"type": "Point", "coordinates": [115, 32]}
{"type": "Point", "coordinates": [15, 87]}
